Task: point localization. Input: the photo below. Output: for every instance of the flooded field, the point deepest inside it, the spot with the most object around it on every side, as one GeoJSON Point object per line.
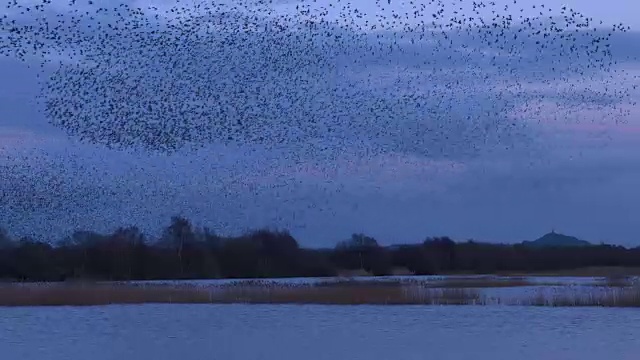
{"type": "Point", "coordinates": [316, 332]}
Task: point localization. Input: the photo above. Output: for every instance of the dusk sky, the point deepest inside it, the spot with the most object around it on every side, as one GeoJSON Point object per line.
{"type": "Point", "coordinates": [575, 170]}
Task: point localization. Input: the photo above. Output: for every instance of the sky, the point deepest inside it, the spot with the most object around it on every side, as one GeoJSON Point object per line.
{"type": "Point", "coordinates": [574, 170]}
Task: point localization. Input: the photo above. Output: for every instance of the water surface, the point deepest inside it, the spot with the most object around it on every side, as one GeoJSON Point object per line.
{"type": "Point", "coordinates": [282, 332]}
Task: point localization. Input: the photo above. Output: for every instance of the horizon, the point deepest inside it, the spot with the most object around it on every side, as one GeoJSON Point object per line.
{"type": "Point", "coordinates": [331, 243]}
{"type": "Point", "coordinates": [556, 155]}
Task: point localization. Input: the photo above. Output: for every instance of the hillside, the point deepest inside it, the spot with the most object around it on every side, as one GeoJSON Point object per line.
{"type": "Point", "coordinates": [554, 239]}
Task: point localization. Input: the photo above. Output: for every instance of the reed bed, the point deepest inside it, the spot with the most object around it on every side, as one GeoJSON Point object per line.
{"type": "Point", "coordinates": [83, 294]}
{"type": "Point", "coordinates": [351, 292]}
{"type": "Point", "coordinates": [617, 281]}
{"type": "Point", "coordinates": [445, 283]}
{"type": "Point", "coordinates": [104, 294]}
{"type": "Point", "coordinates": [621, 297]}
{"type": "Point", "coordinates": [489, 282]}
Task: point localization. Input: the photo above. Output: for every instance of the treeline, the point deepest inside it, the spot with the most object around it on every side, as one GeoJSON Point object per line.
{"type": "Point", "coordinates": [184, 252]}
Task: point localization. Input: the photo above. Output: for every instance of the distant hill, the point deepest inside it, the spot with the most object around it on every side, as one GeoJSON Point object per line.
{"type": "Point", "coordinates": [554, 239]}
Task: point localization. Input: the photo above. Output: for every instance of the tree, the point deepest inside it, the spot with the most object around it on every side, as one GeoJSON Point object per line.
{"type": "Point", "coordinates": [363, 252]}
{"type": "Point", "coordinates": [86, 242]}
{"type": "Point", "coordinates": [178, 235]}
{"type": "Point", "coordinates": [441, 252]}
{"type": "Point", "coordinates": [357, 241]}
{"type": "Point", "coordinates": [122, 249]}
{"type": "Point", "coordinates": [5, 240]}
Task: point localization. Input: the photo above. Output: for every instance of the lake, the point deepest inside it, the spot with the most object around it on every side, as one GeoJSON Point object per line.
{"type": "Point", "coordinates": [310, 332]}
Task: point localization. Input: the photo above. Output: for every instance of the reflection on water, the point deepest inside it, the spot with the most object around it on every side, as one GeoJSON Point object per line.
{"type": "Point", "coordinates": [282, 332]}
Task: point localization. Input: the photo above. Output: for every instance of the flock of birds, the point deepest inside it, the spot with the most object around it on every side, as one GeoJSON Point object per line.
{"type": "Point", "coordinates": [405, 76]}
{"type": "Point", "coordinates": [434, 78]}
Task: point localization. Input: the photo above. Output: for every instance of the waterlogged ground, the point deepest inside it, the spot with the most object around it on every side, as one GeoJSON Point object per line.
{"type": "Point", "coordinates": [285, 332]}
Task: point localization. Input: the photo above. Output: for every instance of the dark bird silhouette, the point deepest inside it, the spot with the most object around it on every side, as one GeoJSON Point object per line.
{"type": "Point", "coordinates": [405, 77]}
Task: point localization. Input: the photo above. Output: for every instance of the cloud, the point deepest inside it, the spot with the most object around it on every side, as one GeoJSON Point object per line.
{"type": "Point", "coordinates": [428, 105]}
{"type": "Point", "coordinates": [14, 138]}
{"type": "Point", "coordinates": [475, 143]}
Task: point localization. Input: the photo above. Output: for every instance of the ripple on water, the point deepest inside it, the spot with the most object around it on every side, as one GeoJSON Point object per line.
{"type": "Point", "coordinates": [317, 332]}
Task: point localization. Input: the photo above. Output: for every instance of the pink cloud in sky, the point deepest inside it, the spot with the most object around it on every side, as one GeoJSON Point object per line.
{"type": "Point", "coordinates": [16, 140]}
{"type": "Point", "coordinates": [585, 120]}
{"type": "Point", "coordinates": [21, 142]}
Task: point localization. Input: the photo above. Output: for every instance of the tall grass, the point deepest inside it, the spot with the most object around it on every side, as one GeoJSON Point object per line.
{"type": "Point", "coordinates": [482, 282]}
{"type": "Point", "coordinates": [330, 293]}
{"type": "Point", "coordinates": [347, 294]}
{"type": "Point", "coordinates": [615, 281]}
{"type": "Point", "coordinates": [79, 294]}
{"type": "Point", "coordinates": [445, 283]}
{"type": "Point", "coordinates": [608, 297]}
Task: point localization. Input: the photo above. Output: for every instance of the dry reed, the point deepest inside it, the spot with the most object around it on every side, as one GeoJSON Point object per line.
{"type": "Point", "coordinates": [608, 297]}
{"type": "Point", "coordinates": [617, 281]}
{"type": "Point", "coordinates": [445, 283]}
{"type": "Point", "coordinates": [482, 282]}
{"type": "Point", "coordinates": [79, 294]}
{"type": "Point", "coordinates": [264, 292]}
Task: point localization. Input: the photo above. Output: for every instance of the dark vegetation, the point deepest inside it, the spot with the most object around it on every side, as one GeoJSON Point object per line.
{"type": "Point", "coordinates": [184, 252]}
